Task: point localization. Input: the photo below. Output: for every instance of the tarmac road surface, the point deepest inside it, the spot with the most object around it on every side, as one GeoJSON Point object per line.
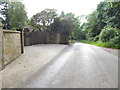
{"type": "Point", "coordinates": [74, 66]}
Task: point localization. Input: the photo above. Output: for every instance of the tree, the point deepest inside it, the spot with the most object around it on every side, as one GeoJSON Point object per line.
{"type": "Point", "coordinates": [62, 14]}
{"type": "Point", "coordinates": [65, 23]}
{"type": "Point", "coordinates": [108, 15]}
{"type": "Point", "coordinates": [79, 34]}
{"type": "Point", "coordinates": [4, 13]}
{"type": "Point", "coordinates": [92, 24]}
{"type": "Point", "coordinates": [56, 26]}
{"type": "Point", "coordinates": [91, 28]}
{"type": "Point", "coordinates": [13, 14]}
{"type": "Point", "coordinates": [103, 16]}
{"type": "Point", "coordinates": [17, 15]}
{"type": "Point", "coordinates": [44, 19]}
{"type": "Point", "coordinates": [107, 33]}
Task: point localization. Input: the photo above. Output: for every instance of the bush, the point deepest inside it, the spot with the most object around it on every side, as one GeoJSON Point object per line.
{"type": "Point", "coordinates": [79, 35]}
{"type": "Point", "coordinates": [91, 39]}
{"type": "Point", "coordinates": [115, 40]}
{"type": "Point", "coordinates": [89, 36]}
{"type": "Point", "coordinates": [107, 33]}
{"type": "Point", "coordinates": [96, 38]}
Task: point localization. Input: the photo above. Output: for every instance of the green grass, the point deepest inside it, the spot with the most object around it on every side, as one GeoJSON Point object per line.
{"type": "Point", "coordinates": [101, 44]}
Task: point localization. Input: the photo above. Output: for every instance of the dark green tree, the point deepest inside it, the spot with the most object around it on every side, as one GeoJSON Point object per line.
{"type": "Point", "coordinates": [17, 15]}
{"type": "Point", "coordinates": [13, 15]}
{"type": "Point", "coordinates": [66, 23]}
{"type": "Point", "coordinates": [44, 19]}
{"type": "Point", "coordinates": [4, 13]}
{"type": "Point", "coordinates": [62, 14]}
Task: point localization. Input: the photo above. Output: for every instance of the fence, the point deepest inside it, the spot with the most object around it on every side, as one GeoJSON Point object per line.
{"type": "Point", "coordinates": [10, 46]}
{"type": "Point", "coordinates": [39, 37]}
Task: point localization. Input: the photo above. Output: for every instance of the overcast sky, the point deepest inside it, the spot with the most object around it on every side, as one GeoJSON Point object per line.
{"type": "Point", "coordinates": [78, 7]}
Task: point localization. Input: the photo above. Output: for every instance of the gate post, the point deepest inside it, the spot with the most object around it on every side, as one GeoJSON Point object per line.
{"type": "Point", "coordinates": [22, 41]}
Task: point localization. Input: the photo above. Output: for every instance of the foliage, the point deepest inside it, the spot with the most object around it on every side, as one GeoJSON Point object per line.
{"type": "Point", "coordinates": [44, 19]}
{"type": "Point", "coordinates": [17, 15]}
{"type": "Point", "coordinates": [79, 35]}
{"type": "Point", "coordinates": [92, 25]}
{"type": "Point", "coordinates": [101, 44]}
{"type": "Point", "coordinates": [4, 12]}
{"type": "Point", "coordinates": [66, 23]}
{"type": "Point", "coordinates": [115, 40]}
{"type": "Point", "coordinates": [62, 25]}
{"type": "Point", "coordinates": [13, 15]}
{"type": "Point", "coordinates": [49, 20]}
{"type": "Point", "coordinates": [107, 33]}
{"type": "Point", "coordinates": [103, 25]}
{"type": "Point", "coordinates": [73, 23]}
{"type": "Point", "coordinates": [96, 38]}
{"type": "Point", "coordinates": [62, 14]}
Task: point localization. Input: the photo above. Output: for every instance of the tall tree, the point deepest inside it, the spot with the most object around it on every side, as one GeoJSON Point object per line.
{"type": "Point", "coordinates": [43, 19]}
{"type": "Point", "coordinates": [4, 13]}
{"type": "Point", "coordinates": [104, 15]}
{"type": "Point", "coordinates": [62, 14]}
{"type": "Point", "coordinates": [63, 25]}
{"type": "Point", "coordinates": [66, 23]}
{"type": "Point", "coordinates": [108, 15]}
{"type": "Point", "coordinates": [13, 14]}
{"type": "Point", "coordinates": [17, 15]}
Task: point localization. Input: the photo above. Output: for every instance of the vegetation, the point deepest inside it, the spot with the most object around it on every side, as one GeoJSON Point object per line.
{"type": "Point", "coordinates": [49, 20]}
{"type": "Point", "coordinates": [103, 44]}
{"type": "Point", "coordinates": [43, 20]}
{"type": "Point", "coordinates": [65, 23]}
{"type": "Point", "coordinates": [103, 26]}
{"type": "Point", "coordinates": [13, 14]}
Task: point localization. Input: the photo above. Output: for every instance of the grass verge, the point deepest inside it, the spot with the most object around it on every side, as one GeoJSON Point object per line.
{"type": "Point", "coordinates": [101, 44]}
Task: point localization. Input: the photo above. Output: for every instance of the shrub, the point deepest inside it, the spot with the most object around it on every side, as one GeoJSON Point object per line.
{"type": "Point", "coordinates": [89, 36]}
{"type": "Point", "coordinates": [96, 38]}
{"type": "Point", "coordinates": [107, 33]}
{"type": "Point", "coordinates": [115, 40]}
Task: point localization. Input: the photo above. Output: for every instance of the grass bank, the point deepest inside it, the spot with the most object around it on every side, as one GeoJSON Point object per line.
{"type": "Point", "coordinates": [106, 44]}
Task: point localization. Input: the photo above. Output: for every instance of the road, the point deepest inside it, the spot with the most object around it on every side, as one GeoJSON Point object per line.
{"type": "Point", "coordinates": [74, 66]}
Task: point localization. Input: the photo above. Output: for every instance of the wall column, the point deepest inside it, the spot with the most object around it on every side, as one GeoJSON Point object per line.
{"type": "Point", "coordinates": [1, 48]}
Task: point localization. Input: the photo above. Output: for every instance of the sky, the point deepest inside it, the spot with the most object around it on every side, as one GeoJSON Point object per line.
{"type": "Point", "coordinates": [78, 7]}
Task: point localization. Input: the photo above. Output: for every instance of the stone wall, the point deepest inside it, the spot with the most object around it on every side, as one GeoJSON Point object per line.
{"type": "Point", "coordinates": [0, 48]}
{"type": "Point", "coordinates": [11, 46]}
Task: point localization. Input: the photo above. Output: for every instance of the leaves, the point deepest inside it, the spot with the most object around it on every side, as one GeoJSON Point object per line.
{"type": "Point", "coordinates": [13, 15]}
{"type": "Point", "coordinates": [43, 19]}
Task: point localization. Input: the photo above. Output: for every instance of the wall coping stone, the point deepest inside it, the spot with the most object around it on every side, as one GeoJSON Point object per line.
{"type": "Point", "coordinates": [10, 31]}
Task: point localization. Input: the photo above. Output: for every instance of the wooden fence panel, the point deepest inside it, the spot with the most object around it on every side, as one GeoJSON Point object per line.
{"type": "Point", "coordinates": [39, 37]}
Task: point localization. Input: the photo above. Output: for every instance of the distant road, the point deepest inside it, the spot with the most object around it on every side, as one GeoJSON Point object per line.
{"type": "Point", "coordinates": [76, 66]}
